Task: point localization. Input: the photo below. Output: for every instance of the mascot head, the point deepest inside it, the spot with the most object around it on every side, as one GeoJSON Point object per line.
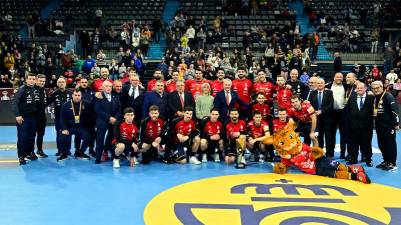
{"type": "Point", "coordinates": [286, 141]}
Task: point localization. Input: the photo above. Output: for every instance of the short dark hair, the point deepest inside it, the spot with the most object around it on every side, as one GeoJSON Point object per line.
{"type": "Point", "coordinates": [233, 110]}
{"type": "Point", "coordinates": [215, 109]}
{"type": "Point", "coordinates": [128, 110]}
{"type": "Point", "coordinates": [30, 75]}
{"type": "Point", "coordinates": [39, 76]}
{"type": "Point", "coordinates": [257, 112]}
{"type": "Point", "coordinates": [153, 108]}
{"type": "Point", "coordinates": [282, 109]}
{"type": "Point", "coordinates": [77, 90]}
{"type": "Point", "coordinates": [188, 108]}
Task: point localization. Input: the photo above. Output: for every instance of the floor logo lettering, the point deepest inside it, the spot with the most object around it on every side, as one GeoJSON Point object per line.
{"type": "Point", "coordinates": [293, 199]}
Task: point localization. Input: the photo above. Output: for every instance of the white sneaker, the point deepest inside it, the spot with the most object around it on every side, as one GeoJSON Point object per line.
{"type": "Point", "coordinates": [261, 158]}
{"type": "Point", "coordinates": [116, 163]}
{"type": "Point", "coordinates": [243, 161]}
{"type": "Point", "coordinates": [136, 161]}
{"type": "Point", "coordinates": [216, 157]}
{"type": "Point", "coordinates": [204, 158]}
{"type": "Point", "coordinates": [194, 160]}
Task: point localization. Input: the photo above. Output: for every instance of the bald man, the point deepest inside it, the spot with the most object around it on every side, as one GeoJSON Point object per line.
{"type": "Point", "coordinates": [58, 98]}
{"type": "Point", "coordinates": [108, 110]}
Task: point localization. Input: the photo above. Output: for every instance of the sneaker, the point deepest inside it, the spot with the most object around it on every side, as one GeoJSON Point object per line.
{"type": "Point", "coordinates": [243, 161]}
{"type": "Point", "coordinates": [62, 157]}
{"type": "Point", "coordinates": [261, 158]}
{"type": "Point", "coordinates": [194, 160]}
{"type": "Point", "coordinates": [98, 161]}
{"type": "Point", "coordinates": [216, 157]}
{"type": "Point", "coordinates": [105, 157]}
{"type": "Point", "coordinates": [390, 167]}
{"type": "Point", "coordinates": [382, 165]}
{"type": "Point", "coordinates": [58, 153]}
{"type": "Point", "coordinates": [41, 154]}
{"type": "Point", "coordinates": [356, 169]}
{"type": "Point", "coordinates": [116, 163]}
{"type": "Point", "coordinates": [22, 161]}
{"type": "Point", "coordinates": [363, 177]}
{"type": "Point", "coordinates": [32, 156]}
{"type": "Point", "coordinates": [204, 158]}
{"type": "Point", "coordinates": [81, 155]}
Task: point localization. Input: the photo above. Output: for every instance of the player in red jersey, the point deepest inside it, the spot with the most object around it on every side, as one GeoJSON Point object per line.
{"type": "Point", "coordinates": [97, 83]}
{"type": "Point", "coordinates": [283, 94]}
{"type": "Point", "coordinates": [265, 86]}
{"type": "Point", "coordinates": [211, 134]}
{"type": "Point", "coordinates": [218, 84]}
{"type": "Point", "coordinates": [195, 86]}
{"type": "Point", "coordinates": [257, 130]}
{"type": "Point", "coordinates": [304, 114]}
{"type": "Point", "coordinates": [243, 87]}
{"type": "Point", "coordinates": [262, 107]}
{"type": "Point", "coordinates": [152, 83]}
{"type": "Point", "coordinates": [152, 132]}
{"type": "Point", "coordinates": [235, 129]}
{"type": "Point", "coordinates": [171, 84]}
{"type": "Point", "coordinates": [281, 121]}
{"type": "Point", "coordinates": [186, 138]}
{"type": "Point", "coordinates": [126, 139]}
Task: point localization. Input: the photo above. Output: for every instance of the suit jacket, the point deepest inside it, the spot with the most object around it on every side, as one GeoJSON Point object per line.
{"type": "Point", "coordinates": [327, 103]}
{"type": "Point", "coordinates": [153, 98]}
{"type": "Point", "coordinates": [360, 119]}
{"type": "Point", "coordinates": [174, 102]}
{"type": "Point", "coordinates": [130, 101]}
{"type": "Point", "coordinates": [105, 109]}
{"type": "Point", "coordinates": [221, 104]}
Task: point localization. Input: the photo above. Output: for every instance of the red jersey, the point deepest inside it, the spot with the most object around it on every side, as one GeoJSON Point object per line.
{"type": "Point", "coordinates": [152, 85]}
{"type": "Point", "coordinates": [256, 131]}
{"type": "Point", "coordinates": [126, 132]}
{"type": "Point", "coordinates": [284, 97]}
{"type": "Point", "coordinates": [231, 127]}
{"type": "Point", "coordinates": [216, 86]}
{"type": "Point", "coordinates": [303, 161]}
{"type": "Point", "coordinates": [243, 88]}
{"type": "Point", "coordinates": [212, 128]}
{"type": "Point", "coordinates": [303, 115]}
{"type": "Point", "coordinates": [150, 130]}
{"type": "Point", "coordinates": [262, 108]}
{"type": "Point", "coordinates": [267, 88]}
{"type": "Point", "coordinates": [277, 125]}
{"type": "Point", "coordinates": [195, 87]}
{"type": "Point", "coordinates": [184, 128]}
{"type": "Point", "coordinates": [97, 84]}
{"type": "Point", "coordinates": [170, 87]}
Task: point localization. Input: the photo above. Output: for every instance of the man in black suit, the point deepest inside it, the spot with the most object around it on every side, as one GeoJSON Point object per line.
{"type": "Point", "coordinates": [226, 99]}
{"type": "Point", "coordinates": [322, 101]}
{"type": "Point", "coordinates": [178, 100]}
{"type": "Point", "coordinates": [360, 111]}
{"type": "Point", "coordinates": [132, 96]}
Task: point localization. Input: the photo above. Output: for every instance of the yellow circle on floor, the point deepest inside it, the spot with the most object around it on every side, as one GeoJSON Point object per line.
{"type": "Point", "coordinates": [270, 199]}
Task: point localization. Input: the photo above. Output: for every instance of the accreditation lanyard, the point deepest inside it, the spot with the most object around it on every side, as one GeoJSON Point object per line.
{"type": "Point", "coordinates": [376, 105]}
{"type": "Point", "coordinates": [76, 117]}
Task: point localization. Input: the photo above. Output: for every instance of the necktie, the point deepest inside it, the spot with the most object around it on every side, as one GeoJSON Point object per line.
{"type": "Point", "coordinates": [182, 100]}
{"type": "Point", "coordinates": [319, 100]}
{"type": "Point", "coordinates": [228, 98]}
{"type": "Point", "coordinates": [131, 91]}
{"type": "Point", "coordinates": [361, 103]}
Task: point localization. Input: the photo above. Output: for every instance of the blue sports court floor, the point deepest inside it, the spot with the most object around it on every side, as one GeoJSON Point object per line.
{"type": "Point", "coordinates": [79, 192]}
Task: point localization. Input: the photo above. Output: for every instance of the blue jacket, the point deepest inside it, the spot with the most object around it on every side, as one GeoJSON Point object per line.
{"type": "Point", "coordinates": [105, 109]}
{"type": "Point", "coordinates": [221, 104]}
{"type": "Point", "coordinates": [153, 98]}
{"type": "Point", "coordinates": [67, 119]}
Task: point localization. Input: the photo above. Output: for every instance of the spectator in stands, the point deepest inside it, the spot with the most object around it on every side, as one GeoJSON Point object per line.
{"type": "Point", "coordinates": [389, 57]}
{"type": "Point", "coordinates": [338, 65]}
{"type": "Point", "coordinates": [157, 26]}
{"type": "Point", "coordinates": [391, 77]}
{"type": "Point", "coordinates": [145, 40]}
{"type": "Point", "coordinates": [85, 40]}
{"type": "Point", "coordinates": [98, 14]}
{"type": "Point", "coordinates": [101, 58]}
{"type": "Point", "coordinates": [5, 82]}
{"type": "Point", "coordinates": [88, 64]}
{"type": "Point", "coordinates": [9, 61]}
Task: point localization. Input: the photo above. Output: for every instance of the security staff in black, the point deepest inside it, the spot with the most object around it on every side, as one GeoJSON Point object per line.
{"type": "Point", "coordinates": [41, 101]}
{"type": "Point", "coordinates": [88, 96]}
{"type": "Point", "coordinates": [59, 97]}
{"type": "Point", "coordinates": [387, 122]}
{"type": "Point", "coordinates": [74, 117]}
{"type": "Point", "coordinates": [25, 109]}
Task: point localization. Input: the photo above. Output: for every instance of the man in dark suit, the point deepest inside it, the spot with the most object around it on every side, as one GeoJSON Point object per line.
{"type": "Point", "coordinates": [178, 100]}
{"type": "Point", "coordinates": [226, 100]}
{"type": "Point", "coordinates": [360, 111]}
{"type": "Point", "coordinates": [322, 102]}
{"type": "Point", "coordinates": [132, 95]}
{"type": "Point", "coordinates": [157, 97]}
{"type": "Point", "coordinates": [108, 111]}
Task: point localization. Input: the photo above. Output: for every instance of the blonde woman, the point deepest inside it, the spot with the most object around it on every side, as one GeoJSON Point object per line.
{"type": "Point", "coordinates": [204, 103]}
